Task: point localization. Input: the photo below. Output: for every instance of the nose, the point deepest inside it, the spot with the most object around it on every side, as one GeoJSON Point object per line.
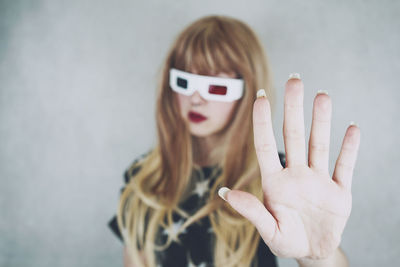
{"type": "Point", "coordinates": [197, 99]}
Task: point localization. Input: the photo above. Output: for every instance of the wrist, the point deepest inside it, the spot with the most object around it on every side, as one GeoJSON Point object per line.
{"type": "Point", "coordinates": [335, 259]}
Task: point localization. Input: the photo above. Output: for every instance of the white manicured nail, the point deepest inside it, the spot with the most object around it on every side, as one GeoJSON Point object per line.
{"type": "Point", "coordinates": [261, 93]}
{"type": "Point", "coordinates": [322, 92]}
{"type": "Point", "coordinates": [223, 191]}
{"type": "Point", "coordinates": [352, 123]}
{"type": "Point", "coordinates": [294, 76]}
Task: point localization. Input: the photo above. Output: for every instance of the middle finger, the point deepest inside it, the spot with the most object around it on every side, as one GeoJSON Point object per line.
{"type": "Point", "coordinates": [293, 123]}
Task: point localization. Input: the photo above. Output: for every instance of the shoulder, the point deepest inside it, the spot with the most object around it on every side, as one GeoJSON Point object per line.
{"type": "Point", "coordinates": [135, 166]}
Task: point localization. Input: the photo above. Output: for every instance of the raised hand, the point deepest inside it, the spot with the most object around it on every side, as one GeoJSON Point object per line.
{"type": "Point", "coordinates": [305, 210]}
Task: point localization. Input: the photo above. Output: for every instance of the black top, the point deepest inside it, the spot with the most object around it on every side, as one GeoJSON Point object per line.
{"type": "Point", "coordinates": [196, 241]}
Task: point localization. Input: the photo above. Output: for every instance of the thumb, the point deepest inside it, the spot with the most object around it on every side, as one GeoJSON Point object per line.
{"type": "Point", "coordinates": [252, 209]}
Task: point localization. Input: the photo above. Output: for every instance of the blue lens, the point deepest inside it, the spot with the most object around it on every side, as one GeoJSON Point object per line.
{"type": "Point", "coordinates": [181, 82]}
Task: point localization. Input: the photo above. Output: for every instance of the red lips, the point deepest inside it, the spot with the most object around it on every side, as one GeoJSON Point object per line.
{"type": "Point", "coordinates": [196, 117]}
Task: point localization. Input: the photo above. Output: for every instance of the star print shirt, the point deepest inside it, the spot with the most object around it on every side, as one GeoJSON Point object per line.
{"type": "Point", "coordinates": [195, 242]}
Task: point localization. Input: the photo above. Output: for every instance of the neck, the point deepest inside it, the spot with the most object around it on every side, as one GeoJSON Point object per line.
{"type": "Point", "coordinates": [202, 149]}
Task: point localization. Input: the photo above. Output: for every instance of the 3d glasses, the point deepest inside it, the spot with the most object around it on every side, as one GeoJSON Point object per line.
{"type": "Point", "coordinates": [210, 87]}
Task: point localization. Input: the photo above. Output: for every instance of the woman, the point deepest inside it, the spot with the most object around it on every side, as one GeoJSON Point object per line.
{"type": "Point", "coordinates": [213, 135]}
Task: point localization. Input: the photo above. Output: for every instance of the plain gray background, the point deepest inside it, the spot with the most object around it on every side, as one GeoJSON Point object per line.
{"type": "Point", "coordinates": [77, 99]}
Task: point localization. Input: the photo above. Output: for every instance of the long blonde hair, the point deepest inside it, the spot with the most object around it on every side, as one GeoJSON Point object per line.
{"type": "Point", "coordinates": [220, 44]}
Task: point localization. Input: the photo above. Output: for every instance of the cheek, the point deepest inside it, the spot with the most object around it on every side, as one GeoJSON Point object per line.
{"type": "Point", "coordinates": [183, 102]}
{"type": "Point", "coordinates": [224, 112]}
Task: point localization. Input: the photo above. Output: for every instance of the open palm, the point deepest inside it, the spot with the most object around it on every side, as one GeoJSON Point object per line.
{"type": "Point", "coordinates": [305, 210]}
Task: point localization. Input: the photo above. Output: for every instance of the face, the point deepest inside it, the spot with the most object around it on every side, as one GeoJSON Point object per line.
{"type": "Point", "coordinates": [216, 114]}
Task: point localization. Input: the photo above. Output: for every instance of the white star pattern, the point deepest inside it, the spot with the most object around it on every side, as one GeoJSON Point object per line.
{"type": "Point", "coordinates": [191, 264]}
{"type": "Point", "coordinates": [174, 230]}
{"type": "Point", "coordinates": [201, 188]}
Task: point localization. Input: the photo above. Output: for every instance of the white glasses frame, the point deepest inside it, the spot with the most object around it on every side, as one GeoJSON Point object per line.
{"type": "Point", "coordinates": [187, 83]}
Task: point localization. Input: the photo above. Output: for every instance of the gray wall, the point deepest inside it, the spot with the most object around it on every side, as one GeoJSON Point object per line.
{"type": "Point", "coordinates": [77, 94]}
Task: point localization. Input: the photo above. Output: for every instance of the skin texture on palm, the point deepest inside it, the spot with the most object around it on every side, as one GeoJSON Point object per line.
{"type": "Point", "coordinates": [305, 210]}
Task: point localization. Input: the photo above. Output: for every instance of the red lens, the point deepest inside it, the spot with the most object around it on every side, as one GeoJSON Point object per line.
{"type": "Point", "coordinates": [217, 89]}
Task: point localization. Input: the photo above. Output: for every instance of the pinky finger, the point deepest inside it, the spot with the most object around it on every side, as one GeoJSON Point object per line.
{"type": "Point", "coordinates": [345, 163]}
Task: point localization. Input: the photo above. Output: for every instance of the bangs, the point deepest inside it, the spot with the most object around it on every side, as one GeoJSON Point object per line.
{"type": "Point", "coordinates": [208, 51]}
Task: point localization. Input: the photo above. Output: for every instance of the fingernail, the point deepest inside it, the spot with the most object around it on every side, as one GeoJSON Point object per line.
{"type": "Point", "coordinates": [322, 92]}
{"type": "Point", "coordinates": [352, 123]}
{"type": "Point", "coordinates": [294, 76]}
{"type": "Point", "coordinates": [261, 93]}
{"type": "Point", "coordinates": [223, 191]}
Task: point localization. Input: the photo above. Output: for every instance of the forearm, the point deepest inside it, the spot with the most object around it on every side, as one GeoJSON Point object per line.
{"type": "Point", "coordinates": [336, 259]}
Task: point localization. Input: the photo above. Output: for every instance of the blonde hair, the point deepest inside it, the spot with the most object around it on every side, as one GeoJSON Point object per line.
{"type": "Point", "coordinates": [212, 43]}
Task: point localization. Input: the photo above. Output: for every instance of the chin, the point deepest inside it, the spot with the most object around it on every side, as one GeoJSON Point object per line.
{"type": "Point", "coordinates": [196, 134]}
{"type": "Point", "coordinates": [199, 133]}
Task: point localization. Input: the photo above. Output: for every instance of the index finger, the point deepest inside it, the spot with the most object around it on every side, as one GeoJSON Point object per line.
{"type": "Point", "coordinates": [264, 140]}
